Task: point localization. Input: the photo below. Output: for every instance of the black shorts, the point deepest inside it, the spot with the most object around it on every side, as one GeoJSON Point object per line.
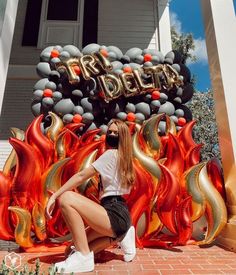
{"type": "Point", "coordinates": [118, 214]}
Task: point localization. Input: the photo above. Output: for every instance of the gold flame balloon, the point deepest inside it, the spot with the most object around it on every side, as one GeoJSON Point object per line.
{"type": "Point", "coordinates": [23, 227]}
{"type": "Point", "coordinates": [39, 222]}
{"type": "Point", "coordinates": [147, 162]}
{"type": "Point", "coordinates": [60, 145]}
{"type": "Point", "coordinates": [149, 132]}
{"type": "Point", "coordinates": [86, 163]}
{"type": "Point", "coordinates": [55, 127]}
{"type": "Point", "coordinates": [216, 211]}
{"type": "Point", "coordinates": [190, 181]}
{"type": "Point", "coordinates": [52, 179]}
{"type": "Point", "coordinates": [170, 126]}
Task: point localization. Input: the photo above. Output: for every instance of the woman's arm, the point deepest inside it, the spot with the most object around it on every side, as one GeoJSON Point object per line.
{"type": "Point", "coordinates": [73, 182]}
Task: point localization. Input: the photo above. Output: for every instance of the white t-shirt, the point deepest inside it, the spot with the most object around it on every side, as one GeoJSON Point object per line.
{"type": "Point", "coordinates": [106, 166]}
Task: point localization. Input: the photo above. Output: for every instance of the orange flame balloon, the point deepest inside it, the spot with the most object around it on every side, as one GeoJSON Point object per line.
{"type": "Point", "coordinates": [167, 198]}
{"type": "Point", "coordinates": [42, 145]}
{"type": "Point", "coordinates": [27, 175]}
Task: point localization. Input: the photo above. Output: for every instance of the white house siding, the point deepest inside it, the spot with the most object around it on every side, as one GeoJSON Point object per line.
{"type": "Point", "coordinates": [16, 112]}
{"type": "Point", "coordinates": [5, 149]}
{"type": "Point", "coordinates": [128, 23]}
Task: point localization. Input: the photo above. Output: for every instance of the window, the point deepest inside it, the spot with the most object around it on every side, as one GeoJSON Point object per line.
{"type": "Point", "coordinates": [62, 10]}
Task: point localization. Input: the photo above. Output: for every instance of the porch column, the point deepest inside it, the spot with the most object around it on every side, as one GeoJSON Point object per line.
{"type": "Point", "coordinates": [5, 43]}
{"type": "Point", "coordinates": [220, 30]}
{"type": "Point", "coordinates": [164, 34]}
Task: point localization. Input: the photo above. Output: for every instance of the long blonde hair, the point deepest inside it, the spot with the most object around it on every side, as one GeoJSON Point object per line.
{"type": "Point", "coordinates": [125, 153]}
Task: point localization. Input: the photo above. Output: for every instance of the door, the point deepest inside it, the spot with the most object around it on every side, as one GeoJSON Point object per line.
{"type": "Point", "coordinates": [61, 23]}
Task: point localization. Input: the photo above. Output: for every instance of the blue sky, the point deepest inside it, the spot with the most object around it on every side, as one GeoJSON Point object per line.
{"type": "Point", "coordinates": [188, 19]}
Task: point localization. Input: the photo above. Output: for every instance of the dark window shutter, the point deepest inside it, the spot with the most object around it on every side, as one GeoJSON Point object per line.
{"type": "Point", "coordinates": [90, 26]}
{"type": "Point", "coordinates": [32, 21]}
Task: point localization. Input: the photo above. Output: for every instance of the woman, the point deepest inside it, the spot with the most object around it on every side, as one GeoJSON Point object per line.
{"type": "Point", "coordinates": [107, 221]}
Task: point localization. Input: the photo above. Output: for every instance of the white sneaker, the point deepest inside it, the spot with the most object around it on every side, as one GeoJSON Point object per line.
{"type": "Point", "coordinates": [128, 245]}
{"type": "Point", "coordinates": [76, 262]}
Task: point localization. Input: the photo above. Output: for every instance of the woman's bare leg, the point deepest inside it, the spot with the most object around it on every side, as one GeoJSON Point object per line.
{"type": "Point", "coordinates": [100, 244]}
{"type": "Point", "coordinates": [76, 208]}
{"type": "Point", "coordinates": [96, 242]}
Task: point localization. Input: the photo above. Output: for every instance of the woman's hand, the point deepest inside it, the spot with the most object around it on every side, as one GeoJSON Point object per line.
{"type": "Point", "coordinates": [50, 206]}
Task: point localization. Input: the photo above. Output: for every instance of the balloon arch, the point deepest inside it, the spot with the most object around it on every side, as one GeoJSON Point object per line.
{"type": "Point", "coordinates": [177, 199]}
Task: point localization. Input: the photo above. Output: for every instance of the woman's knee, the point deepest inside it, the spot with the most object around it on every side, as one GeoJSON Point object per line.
{"type": "Point", "coordinates": [65, 198]}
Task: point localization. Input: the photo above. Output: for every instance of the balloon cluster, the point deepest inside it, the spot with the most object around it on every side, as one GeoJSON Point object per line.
{"type": "Point", "coordinates": [173, 196]}
{"type": "Point", "coordinates": [99, 83]}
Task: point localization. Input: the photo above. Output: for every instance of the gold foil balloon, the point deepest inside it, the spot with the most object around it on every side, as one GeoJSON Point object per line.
{"type": "Point", "coordinates": [111, 86]}
{"type": "Point", "coordinates": [23, 227]}
{"type": "Point", "coordinates": [61, 143]}
{"type": "Point", "coordinates": [190, 181]}
{"type": "Point", "coordinates": [86, 163]}
{"type": "Point", "coordinates": [55, 127]}
{"type": "Point", "coordinates": [147, 162]}
{"type": "Point", "coordinates": [216, 211]}
{"type": "Point", "coordinates": [149, 133]}
{"type": "Point", "coordinates": [39, 222]}
{"type": "Point", "coordinates": [51, 180]}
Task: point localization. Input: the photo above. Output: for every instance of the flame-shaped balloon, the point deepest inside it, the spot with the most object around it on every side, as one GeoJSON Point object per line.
{"type": "Point", "coordinates": [215, 173]}
{"type": "Point", "coordinates": [193, 156]}
{"type": "Point", "coordinates": [23, 228]}
{"type": "Point", "coordinates": [11, 160]}
{"type": "Point", "coordinates": [149, 138]}
{"type": "Point", "coordinates": [55, 127]}
{"type": "Point", "coordinates": [27, 175]}
{"type": "Point", "coordinates": [74, 126]}
{"type": "Point", "coordinates": [6, 232]}
{"type": "Point", "coordinates": [77, 159]}
{"type": "Point", "coordinates": [185, 137]}
{"type": "Point", "coordinates": [139, 201]}
{"type": "Point", "coordinates": [167, 199]}
{"type": "Point", "coordinates": [170, 126]}
{"type": "Point", "coordinates": [190, 182]}
{"type": "Point", "coordinates": [39, 222]}
{"type": "Point", "coordinates": [88, 136]}
{"type": "Point", "coordinates": [52, 179]}
{"type": "Point", "coordinates": [62, 140]}
{"type": "Point", "coordinates": [216, 211]}
{"type": "Point", "coordinates": [147, 162]}
{"type": "Point", "coordinates": [85, 164]}
{"type": "Point", "coordinates": [184, 221]}
{"type": "Point", "coordinates": [174, 164]}
{"type": "Point", "coordinates": [42, 145]}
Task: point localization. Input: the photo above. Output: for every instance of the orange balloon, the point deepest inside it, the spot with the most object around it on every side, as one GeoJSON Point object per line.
{"type": "Point", "coordinates": [104, 52]}
{"type": "Point", "coordinates": [130, 117]}
{"type": "Point", "coordinates": [54, 53]}
{"type": "Point", "coordinates": [77, 118]}
{"type": "Point", "coordinates": [127, 70]}
{"type": "Point", "coordinates": [77, 70]}
{"type": "Point", "coordinates": [47, 93]}
{"type": "Point", "coordinates": [181, 121]}
{"type": "Point", "coordinates": [147, 57]}
{"type": "Point", "coordinates": [156, 95]}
